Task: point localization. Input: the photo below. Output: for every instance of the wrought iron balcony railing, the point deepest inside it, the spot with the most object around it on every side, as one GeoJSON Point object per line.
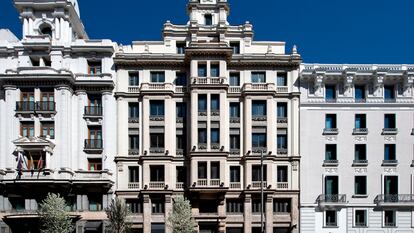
{"type": "Point", "coordinates": [332, 198]}
{"type": "Point", "coordinates": [25, 106]}
{"type": "Point", "coordinates": [93, 110]}
{"type": "Point", "coordinates": [394, 199]}
{"type": "Point", "coordinates": [93, 144]}
{"type": "Point", "coordinates": [45, 106]}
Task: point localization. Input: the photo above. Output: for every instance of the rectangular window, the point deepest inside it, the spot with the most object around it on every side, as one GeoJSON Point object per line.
{"type": "Point", "coordinates": [133, 174]}
{"type": "Point", "coordinates": [360, 152]}
{"type": "Point", "coordinates": [181, 109]}
{"type": "Point", "coordinates": [259, 140]}
{"type": "Point", "coordinates": [234, 142]}
{"type": "Point", "coordinates": [47, 101]}
{"type": "Point", "coordinates": [133, 142]}
{"type": "Point", "coordinates": [95, 202]}
{"type": "Point", "coordinates": [27, 130]}
{"type": "Point", "coordinates": [235, 45]}
{"type": "Point", "coordinates": [215, 170]}
{"type": "Point", "coordinates": [235, 79]}
{"type": "Point", "coordinates": [181, 174]}
{"type": "Point", "coordinates": [360, 93]}
{"type": "Point", "coordinates": [48, 129]}
{"type": "Point", "coordinates": [215, 70]}
{"type": "Point", "coordinates": [202, 70]}
{"type": "Point", "coordinates": [390, 218]}
{"type": "Point", "coordinates": [389, 152]}
{"type": "Point", "coordinates": [330, 218]}
{"type": "Point", "coordinates": [157, 173]}
{"type": "Point", "coordinates": [281, 205]}
{"type": "Point", "coordinates": [256, 174]}
{"type": "Point", "coordinates": [134, 206]}
{"type": "Point", "coordinates": [215, 136]}
{"type": "Point", "coordinates": [156, 108]}
{"type": "Point", "coordinates": [157, 228]}
{"type": "Point", "coordinates": [234, 174]}
{"type": "Point", "coordinates": [282, 174]}
{"type": "Point", "coordinates": [330, 152]}
{"type": "Point", "coordinates": [361, 218]}
{"type": "Point", "coordinates": [202, 170]}
{"type": "Point", "coordinates": [259, 108]}
{"type": "Point", "coordinates": [235, 206]}
{"type": "Point", "coordinates": [157, 140]}
{"type": "Point", "coordinates": [133, 110]}
{"type": "Point", "coordinates": [330, 94]}
{"type": "Point", "coordinates": [215, 102]}
{"type": "Point", "coordinates": [234, 110]}
{"type": "Point", "coordinates": [360, 121]}
{"type": "Point", "coordinates": [282, 79]}
{"type": "Point", "coordinates": [158, 206]}
{"type": "Point", "coordinates": [330, 121]}
{"type": "Point", "coordinates": [282, 141]}
{"type": "Point", "coordinates": [202, 103]}
{"type": "Point", "coordinates": [202, 135]}
{"type": "Point", "coordinates": [258, 77]}
{"type": "Point", "coordinates": [208, 19]}
{"type": "Point", "coordinates": [257, 205]}
{"type": "Point", "coordinates": [389, 121]}
{"type": "Point", "coordinates": [157, 76]}
{"type": "Point", "coordinates": [133, 79]}
{"type": "Point", "coordinates": [180, 47]}
{"type": "Point", "coordinates": [360, 185]}
{"type": "Point", "coordinates": [389, 92]}
{"type": "Point", "coordinates": [94, 164]}
{"type": "Point", "coordinates": [181, 79]}
{"type": "Point", "coordinates": [180, 142]}
{"type": "Point", "coordinates": [281, 110]}
{"type": "Point", "coordinates": [94, 67]}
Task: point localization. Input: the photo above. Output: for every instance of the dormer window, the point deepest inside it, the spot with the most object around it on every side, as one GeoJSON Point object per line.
{"type": "Point", "coordinates": [208, 19]}
{"type": "Point", "coordinates": [46, 29]}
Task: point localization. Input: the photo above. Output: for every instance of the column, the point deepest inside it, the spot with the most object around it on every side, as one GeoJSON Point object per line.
{"type": "Point", "coordinates": [224, 121]}
{"type": "Point", "coordinates": [170, 126]}
{"type": "Point", "coordinates": [269, 213]}
{"type": "Point", "coordinates": [81, 133]}
{"type": "Point", "coordinates": [295, 213]}
{"type": "Point", "coordinates": [271, 126]}
{"type": "Point", "coordinates": [295, 126]}
{"type": "Point", "coordinates": [168, 210]}
{"type": "Point", "coordinates": [48, 155]}
{"type": "Point", "coordinates": [11, 132]}
{"type": "Point", "coordinates": [109, 130]}
{"type": "Point", "coordinates": [147, 214]}
{"type": "Point", "coordinates": [145, 124]}
{"type": "Point", "coordinates": [247, 213]}
{"type": "Point", "coordinates": [247, 124]}
{"type": "Point", "coordinates": [122, 127]}
{"type": "Point", "coordinates": [194, 120]}
{"type": "Point", "coordinates": [63, 124]}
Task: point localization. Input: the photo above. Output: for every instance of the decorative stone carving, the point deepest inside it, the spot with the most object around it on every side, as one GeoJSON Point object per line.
{"type": "Point", "coordinates": [331, 138]}
{"type": "Point", "coordinates": [390, 138]}
{"type": "Point", "coordinates": [389, 170]}
{"type": "Point", "coordinates": [361, 138]}
{"type": "Point", "coordinates": [331, 170]}
{"type": "Point", "coordinates": [361, 170]}
{"type": "Point", "coordinates": [294, 165]}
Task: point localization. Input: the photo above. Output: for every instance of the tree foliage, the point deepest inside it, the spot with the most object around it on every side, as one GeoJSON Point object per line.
{"type": "Point", "coordinates": [180, 219]}
{"type": "Point", "coordinates": [53, 216]}
{"type": "Point", "coordinates": [117, 213]}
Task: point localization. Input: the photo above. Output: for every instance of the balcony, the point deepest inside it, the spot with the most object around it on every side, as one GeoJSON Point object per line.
{"type": "Point", "coordinates": [391, 200]}
{"type": "Point", "coordinates": [389, 131]}
{"type": "Point", "coordinates": [360, 162]}
{"type": "Point", "coordinates": [282, 89]}
{"type": "Point", "coordinates": [258, 184]}
{"type": "Point", "coordinates": [45, 106]}
{"type": "Point", "coordinates": [157, 117]}
{"type": "Point", "coordinates": [215, 182]}
{"type": "Point", "coordinates": [215, 146]}
{"type": "Point", "coordinates": [93, 145]}
{"type": "Point", "coordinates": [330, 162]}
{"type": "Point", "coordinates": [282, 120]}
{"type": "Point", "coordinates": [157, 150]}
{"type": "Point", "coordinates": [208, 81]}
{"type": "Point", "coordinates": [282, 151]}
{"type": "Point", "coordinates": [235, 185]}
{"type": "Point", "coordinates": [202, 182]}
{"type": "Point", "coordinates": [133, 152]}
{"type": "Point", "coordinates": [215, 113]}
{"type": "Point", "coordinates": [234, 89]}
{"type": "Point", "coordinates": [259, 87]}
{"type": "Point", "coordinates": [157, 87]}
{"type": "Point", "coordinates": [234, 151]}
{"type": "Point", "coordinates": [157, 185]}
{"type": "Point", "coordinates": [330, 131]}
{"type": "Point", "coordinates": [133, 185]}
{"type": "Point", "coordinates": [179, 185]}
{"type": "Point", "coordinates": [93, 111]}
{"type": "Point", "coordinates": [259, 118]}
{"type": "Point", "coordinates": [235, 120]}
{"type": "Point", "coordinates": [331, 200]}
{"type": "Point", "coordinates": [360, 131]}
{"type": "Point", "coordinates": [133, 120]}
{"type": "Point", "coordinates": [282, 185]}
{"type": "Point", "coordinates": [25, 106]}
{"type": "Point", "coordinates": [202, 113]}
{"type": "Point", "coordinates": [390, 162]}
{"type": "Point", "coordinates": [259, 150]}
{"type": "Point", "coordinates": [202, 146]}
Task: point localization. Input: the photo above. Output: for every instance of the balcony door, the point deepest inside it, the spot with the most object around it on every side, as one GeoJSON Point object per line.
{"type": "Point", "coordinates": [27, 97]}
{"type": "Point", "coordinates": [391, 185]}
{"type": "Point", "coordinates": [331, 185]}
{"type": "Point", "coordinates": [47, 101]}
{"type": "Point", "coordinates": [95, 138]}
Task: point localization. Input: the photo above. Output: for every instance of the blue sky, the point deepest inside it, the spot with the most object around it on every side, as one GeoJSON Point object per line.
{"type": "Point", "coordinates": [325, 31]}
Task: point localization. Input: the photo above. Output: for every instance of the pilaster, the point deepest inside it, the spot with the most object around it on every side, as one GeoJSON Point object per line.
{"type": "Point", "coordinates": [147, 214]}
{"type": "Point", "coordinates": [109, 130]}
{"type": "Point", "coordinates": [247, 213]}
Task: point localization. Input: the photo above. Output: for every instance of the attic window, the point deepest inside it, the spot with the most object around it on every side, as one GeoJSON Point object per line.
{"type": "Point", "coordinates": [45, 29]}
{"type": "Point", "coordinates": [208, 19]}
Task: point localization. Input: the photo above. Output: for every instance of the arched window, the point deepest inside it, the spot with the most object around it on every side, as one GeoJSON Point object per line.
{"type": "Point", "coordinates": [46, 29]}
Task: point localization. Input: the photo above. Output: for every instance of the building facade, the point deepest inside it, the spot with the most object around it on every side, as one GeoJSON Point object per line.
{"type": "Point", "coordinates": [57, 114]}
{"type": "Point", "coordinates": [197, 109]}
{"type": "Point", "coordinates": [357, 149]}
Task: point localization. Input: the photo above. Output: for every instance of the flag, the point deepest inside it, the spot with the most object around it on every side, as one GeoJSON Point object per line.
{"type": "Point", "coordinates": [31, 162]}
{"type": "Point", "coordinates": [19, 163]}
{"type": "Point", "coordinates": [40, 163]}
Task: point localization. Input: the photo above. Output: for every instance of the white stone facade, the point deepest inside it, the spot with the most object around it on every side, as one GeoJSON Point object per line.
{"type": "Point", "coordinates": [57, 110]}
{"type": "Point", "coordinates": [372, 107]}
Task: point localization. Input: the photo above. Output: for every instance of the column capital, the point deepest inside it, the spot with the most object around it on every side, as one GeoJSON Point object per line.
{"type": "Point", "coordinates": [107, 92]}
{"type": "Point", "coordinates": [80, 92]}
{"type": "Point", "coordinates": [9, 87]}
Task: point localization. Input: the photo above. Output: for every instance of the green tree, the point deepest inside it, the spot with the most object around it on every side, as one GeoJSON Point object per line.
{"type": "Point", "coordinates": [180, 219]}
{"type": "Point", "coordinates": [53, 216]}
{"type": "Point", "coordinates": [117, 213]}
